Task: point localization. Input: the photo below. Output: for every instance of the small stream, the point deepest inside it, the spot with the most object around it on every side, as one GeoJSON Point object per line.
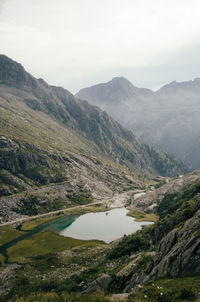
{"type": "Point", "coordinates": [106, 226]}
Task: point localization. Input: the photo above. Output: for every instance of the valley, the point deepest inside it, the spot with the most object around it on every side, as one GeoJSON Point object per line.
{"type": "Point", "coordinates": [61, 159]}
{"type": "Point", "coordinates": [86, 261]}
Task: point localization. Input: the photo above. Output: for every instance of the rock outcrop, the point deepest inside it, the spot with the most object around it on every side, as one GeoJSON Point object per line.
{"type": "Point", "coordinates": [177, 255]}
{"type": "Point", "coordinates": [101, 284]}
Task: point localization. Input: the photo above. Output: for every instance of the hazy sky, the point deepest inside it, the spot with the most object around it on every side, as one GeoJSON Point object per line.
{"type": "Point", "coordinates": [78, 43]}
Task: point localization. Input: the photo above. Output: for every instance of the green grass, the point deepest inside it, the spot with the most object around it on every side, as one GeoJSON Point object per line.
{"type": "Point", "coordinates": [91, 209]}
{"type": "Point", "coordinates": [170, 290]}
{"type": "Point", "coordinates": [53, 297]}
{"type": "Point", "coordinates": [8, 233]}
{"type": "Point", "coordinates": [165, 290]}
{"type": "Point", "coordinates": [30, 225]}
{"type": "Point", "coordinates": [142, 216]}
{"type": "Point", "coordinates": [2, 260]}
{"type": "Point", "coordinates": [44, 243]}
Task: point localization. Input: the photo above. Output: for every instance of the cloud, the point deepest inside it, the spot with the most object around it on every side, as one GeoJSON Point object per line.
{"type": "Point", "coordinates": [2, 5]}
{"type": "Point", "coordinates": [67, 42]}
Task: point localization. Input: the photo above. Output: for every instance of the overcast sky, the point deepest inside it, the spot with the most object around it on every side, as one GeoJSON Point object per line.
{"type": "Point", "coordinates": [78, 43]}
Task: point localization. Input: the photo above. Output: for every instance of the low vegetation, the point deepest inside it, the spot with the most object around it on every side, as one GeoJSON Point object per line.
{"type": "Point", "coordinates": [44, 243]}
{"type": "Point", "coordinates": [169, 290]}
{"type": "Point", "coordinates": [55, 268]}
{"type": "Point", "coordinates": [164, 290]}
{"type": "Point", "coordinates": [53, 297]}
{"type": "Point", "coordinates": [30, 225]}
{"type": "Point", "coordinates": [141, 216]}
{"type": "Point", "coordinates": [137, 242]}
{"type": "Point", "coordinates": [9, 233]}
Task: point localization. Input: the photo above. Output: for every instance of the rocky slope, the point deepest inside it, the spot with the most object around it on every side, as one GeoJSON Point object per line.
{"type": "Point", "coordinates": [167, 119]}
{"type": "Point", "coordinates": [176, 238]}
{"type": "Point", "coordinates": [170, 248]}
{"type": "Point", "coordinates": [48, 137]}
{"type": "Point", "coordinates": [147, 261]}
{"type": "Point", "coordinates": [167, 250]}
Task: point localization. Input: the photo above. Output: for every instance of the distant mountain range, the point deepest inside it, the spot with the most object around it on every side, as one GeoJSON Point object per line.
{"type": "Point", "coordinates": [167, 119]}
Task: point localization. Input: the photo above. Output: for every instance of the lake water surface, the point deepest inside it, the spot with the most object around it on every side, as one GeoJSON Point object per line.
{"type": "Point", "coordinates": [106, 226]}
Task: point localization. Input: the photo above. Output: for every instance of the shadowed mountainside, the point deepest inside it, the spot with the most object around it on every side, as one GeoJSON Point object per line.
{"type": "Point", "coordinates": [167, 119]}
{"type": "Point", "coordinates": [48, 137]}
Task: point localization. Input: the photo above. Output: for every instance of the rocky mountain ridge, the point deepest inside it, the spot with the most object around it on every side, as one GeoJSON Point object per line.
{"type": "Point", "coordinates": [166, 119]}
{"type": "Point", "coordinates": [48, 137]}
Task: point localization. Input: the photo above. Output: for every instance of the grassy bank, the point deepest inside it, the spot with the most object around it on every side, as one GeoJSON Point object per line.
{"type": "Point", "coordinates": [9, 233]}
{"type": "Point", "coordinates": [30, 225]}
{"type": "Point", "coordinates": [45, 243]}
{"type": "Point", "coordinates": [141, 216]}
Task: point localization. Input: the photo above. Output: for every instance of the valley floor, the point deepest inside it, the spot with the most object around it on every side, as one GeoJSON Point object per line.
{"type": "Point", "coordinates": [118, 200]}
{"type": "Point", "coordinates": [49, 267]}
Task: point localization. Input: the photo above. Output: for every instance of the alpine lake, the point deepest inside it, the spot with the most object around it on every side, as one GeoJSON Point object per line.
{"type": "Point", "coordinates": [106, 226]}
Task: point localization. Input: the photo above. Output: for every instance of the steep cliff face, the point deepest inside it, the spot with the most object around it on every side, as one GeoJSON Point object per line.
{"type": "Point", "coordinates": [23, 95]}
{"type": "Point", "coordinates": [18, 158]}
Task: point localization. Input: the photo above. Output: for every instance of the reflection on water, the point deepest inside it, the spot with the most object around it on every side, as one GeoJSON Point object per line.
{"type": "Point", "coordinates": [106, 226]}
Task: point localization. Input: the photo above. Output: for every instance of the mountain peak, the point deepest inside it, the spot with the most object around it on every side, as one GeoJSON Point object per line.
{"type": "Point", "coordinates": [122, 83]}
{"type": "Point", "coordinates": [120, 79]}
{"type": "Point", "coordinates": [118, 90]}
{"type": "Point", "coordinates": [14, 75]}
{"type": "Point", "coordinates": [173, 86]}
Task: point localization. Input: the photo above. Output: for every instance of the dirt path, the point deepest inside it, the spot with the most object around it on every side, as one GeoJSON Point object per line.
{"type": "Point", "coordinates": [118, 200]}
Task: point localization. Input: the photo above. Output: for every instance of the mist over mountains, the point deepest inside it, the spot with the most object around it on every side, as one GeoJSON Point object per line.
{"type": "Point", "coordinates": [167, 119]}
{"type": "Point", "coordinates": [60, 154]}
{"type": "Point", "coordinates": [47, 136]}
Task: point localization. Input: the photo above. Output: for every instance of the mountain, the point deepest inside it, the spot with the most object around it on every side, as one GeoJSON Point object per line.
{"type": "Point", "coordinates": [115, 91]}
{"type": "Point", "coordinates": [57, 150]}
{"type": "Point", "coordinates": [166, 119]}
{"type": "Point", "coordinates": [117, 97]}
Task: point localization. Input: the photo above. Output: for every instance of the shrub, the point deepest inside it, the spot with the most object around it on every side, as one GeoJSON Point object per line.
{"type": "Point", "coordinates": [130, 244]}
